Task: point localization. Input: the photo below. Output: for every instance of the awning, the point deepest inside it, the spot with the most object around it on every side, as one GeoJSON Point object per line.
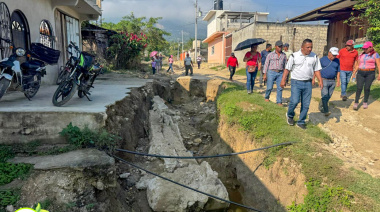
{"type": "Point", "coordinates": [334, 9]}
{"type": "Point", "coordinates": [213, 36]}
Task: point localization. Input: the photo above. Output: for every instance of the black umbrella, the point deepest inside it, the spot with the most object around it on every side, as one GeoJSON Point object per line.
{"type": "Point", "coordinates": [248, 43]}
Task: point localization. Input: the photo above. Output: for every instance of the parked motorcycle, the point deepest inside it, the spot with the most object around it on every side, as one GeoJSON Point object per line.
{"type": "Point", "coordinates": [27, 76]}
{"type": "Point", "coordinates": [81, 78]}
{"type": "Point", "coordinates": [70, 64]}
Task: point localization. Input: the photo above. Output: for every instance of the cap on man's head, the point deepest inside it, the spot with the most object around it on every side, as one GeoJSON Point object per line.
{"type": "Point", "coordinates": [350, 43]}
{"type": "Point", "coordinates": [334, 51]}
{"type": "Point", "coordinates": [286, 45]}
{"type": "Point", "coordinates": [367, 44]}
{"type": "Point", "coordinates": [279, 43]}
{"type": "Point", "coordinates": [232, 54]}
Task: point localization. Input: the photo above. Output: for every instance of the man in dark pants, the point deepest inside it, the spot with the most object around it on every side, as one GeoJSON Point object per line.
{"type": "Point", "coordinates": [188, 65]}
{"type": "Point", "coordinates": [264, 55]}
{"type": "Point", "coordinates": [329, 73]}
{"type": "Point", "coordinates": [232, 63]}
{"type": "Point", "coordinates": [303, 65]}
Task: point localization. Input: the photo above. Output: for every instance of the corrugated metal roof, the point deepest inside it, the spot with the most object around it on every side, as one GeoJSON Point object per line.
{"type": "Point", "coordinates": [326, 12]}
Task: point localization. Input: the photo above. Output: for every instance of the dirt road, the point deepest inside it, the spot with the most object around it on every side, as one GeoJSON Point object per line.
{"type": "Point", "coordinates": [355, 134]}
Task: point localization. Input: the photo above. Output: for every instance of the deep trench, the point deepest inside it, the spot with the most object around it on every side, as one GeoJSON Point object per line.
{"type": "Point", "coordinates": [129, 118]}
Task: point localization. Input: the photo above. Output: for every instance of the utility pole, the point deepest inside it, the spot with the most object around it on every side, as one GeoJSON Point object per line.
{"type": "Point", "coordinates": [178, 51]}
{"type": "Point", "coordinates": [196, 30]}
{"type": "Point", "coordinates": [182, 41]}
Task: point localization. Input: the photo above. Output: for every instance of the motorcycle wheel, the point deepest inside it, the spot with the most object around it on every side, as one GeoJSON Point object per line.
{"type": "Point", "coordinates": [62, 75]}
{"type": "Point", "coordinates": [4, 84]}
{"type": "Point", "coordinates": [64, 93]}
{"type": "Point", "coordinates": [33, 91]}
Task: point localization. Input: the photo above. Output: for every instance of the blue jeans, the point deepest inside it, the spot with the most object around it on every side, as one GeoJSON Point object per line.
{"type": "Point", "coordinates": [250, 79]}
{"type": "Point", "coordinates": [327, 91]}
{"type": "Point", "coordinates": [170, 67]}
{"type": "Point", "coordinates": [272, 77]}
{"type": "Point", "coordinates": [300, 91]}
{"type": "Point", "coordinates": [154, 70]}
{"type": "Point", "coordinates": [345, 77]}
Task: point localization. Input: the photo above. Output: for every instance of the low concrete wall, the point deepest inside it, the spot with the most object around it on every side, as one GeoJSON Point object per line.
{"type": "Point", "coordinates": [23, 127]}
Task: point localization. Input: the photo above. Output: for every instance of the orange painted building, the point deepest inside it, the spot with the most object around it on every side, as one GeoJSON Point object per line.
{"type": "Point", "coordinates": [216, 47]}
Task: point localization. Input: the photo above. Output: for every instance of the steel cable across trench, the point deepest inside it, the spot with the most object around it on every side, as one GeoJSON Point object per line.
{"type": "Point", "coordinates": [195, 157]}
{"type": "Point", "coordinates": [205, 156]}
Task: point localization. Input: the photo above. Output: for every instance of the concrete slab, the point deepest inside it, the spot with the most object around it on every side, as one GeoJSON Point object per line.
{"type": "Point", "coordinates": [22, 121]}
{"type": "Point", "coordinates": [105, 92]}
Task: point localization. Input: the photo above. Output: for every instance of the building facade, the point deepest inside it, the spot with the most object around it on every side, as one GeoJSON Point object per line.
{"type": "Point", "coordinates": [336, 14]}
{"type": "Point", "coordinates": [53, 23]}
{"type": "Point", "coordinates": [293, 34]}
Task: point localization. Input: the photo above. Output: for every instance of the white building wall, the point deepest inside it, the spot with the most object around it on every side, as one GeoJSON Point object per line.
{"type": "Point", "coordinates": [37, 10]}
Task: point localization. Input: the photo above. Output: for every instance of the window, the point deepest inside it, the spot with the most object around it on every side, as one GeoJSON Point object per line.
{"type": "Point", "coordinates": [46, 34]}
{"type": "Point", "coordinates": [212, 50]}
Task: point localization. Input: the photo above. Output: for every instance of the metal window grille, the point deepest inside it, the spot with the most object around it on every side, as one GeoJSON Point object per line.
{"type": "Point", "coordinates": [46, 35]}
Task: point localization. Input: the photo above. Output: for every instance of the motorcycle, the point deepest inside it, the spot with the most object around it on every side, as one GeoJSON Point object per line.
{"type": "Point", "coordinates": [25, 77]}
{"type": "Point", "coordinates": [70, 64]}
{"type": "Point", "coordinates": [81, 79]}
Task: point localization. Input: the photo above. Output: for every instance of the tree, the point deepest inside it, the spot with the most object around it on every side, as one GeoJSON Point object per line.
{"type": "Point", "coordinates": [367, 12]}
{"type": "Point", "coordinates": [138, 25]}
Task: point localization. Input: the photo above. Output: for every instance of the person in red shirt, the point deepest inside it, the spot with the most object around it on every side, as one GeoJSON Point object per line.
{"type": "Point", "coordinates": [348, 60]}
{"type": "Point", "coordinates": [253, 59]}
{"type": "Point", "coordinates": [232, 63]}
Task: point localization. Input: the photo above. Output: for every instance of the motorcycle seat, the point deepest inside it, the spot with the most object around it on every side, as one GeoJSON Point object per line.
{"type": "Point", "coordinates": [6, 64]}
{"type": "Point", "coordinates": [34, 64]}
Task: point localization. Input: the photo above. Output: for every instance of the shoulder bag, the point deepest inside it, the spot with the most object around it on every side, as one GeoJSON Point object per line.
{"type": "Point", "coordinates": [252, 69]}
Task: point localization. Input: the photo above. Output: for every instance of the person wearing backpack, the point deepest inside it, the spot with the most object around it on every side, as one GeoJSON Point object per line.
{"type": "Point", "coordinates": [303, 65]}
{"type": "Point", "coordinates": [329, 73]}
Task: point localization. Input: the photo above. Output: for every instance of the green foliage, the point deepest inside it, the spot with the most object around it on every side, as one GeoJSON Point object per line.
{"type": "Point", "coordinates": [8, 197]}
{"type": "Point", "coordinates": [370, 15]}
{"type": "Point", "coordinates": [87, 138]}
{"type": "Point", "coordinates": [323, 198]}
{"type": "Point", "coordinates": [6, 152]}
{"type": "Point", "coordinates": [9, 171]}
{"type": "Point", "coordinates": [137, 25]}
{"type": "Point", "coordinates": [125, 47]}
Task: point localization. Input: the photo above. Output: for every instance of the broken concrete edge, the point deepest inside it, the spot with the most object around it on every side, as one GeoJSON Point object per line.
{"type": "Point", "coordinates": [83, 158]}
{"type": "Point", "coordinates": [162, 195]}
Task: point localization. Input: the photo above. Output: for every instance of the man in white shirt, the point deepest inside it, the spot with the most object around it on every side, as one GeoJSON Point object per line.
{"type": "Point", "coordinates": [188, 65]}
{"type": "Point", "coordinates": [303, 65]}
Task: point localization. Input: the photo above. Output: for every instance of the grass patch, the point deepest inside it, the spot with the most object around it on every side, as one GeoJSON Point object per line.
{"type": "Point", "coordinates": [218, 68]}
{"type": "Point", "coordinates": [331, 187]}
{"type": "Point", "coordinates": [241, 72]}
{"type": "Point", "coordinates": [8, 197]}
{"type": "Point", "coordinates": [375, 90]}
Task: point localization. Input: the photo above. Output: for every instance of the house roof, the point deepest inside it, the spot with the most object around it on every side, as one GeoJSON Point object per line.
{"type": "Point", "coordinates": [326, 12]}
{"type": "Point", "coordinates": [237, 15]}
{"type": "Point", "coordinates": [213, 36]}
{"type": "Point", "coordinates": [209, 15]}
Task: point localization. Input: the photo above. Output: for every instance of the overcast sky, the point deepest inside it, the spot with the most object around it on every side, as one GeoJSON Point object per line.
{"type": "Point", "coordinates": [179, 14]}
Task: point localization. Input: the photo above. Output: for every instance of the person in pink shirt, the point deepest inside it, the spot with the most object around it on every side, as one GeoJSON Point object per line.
{"type": "Point", "coordinates": [170, 60]}
{"type": "Point", "coordinates": [365, 73]}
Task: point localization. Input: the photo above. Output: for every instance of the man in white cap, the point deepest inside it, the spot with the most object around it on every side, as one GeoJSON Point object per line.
{"type": "Point", "coordinates": [330, 72]}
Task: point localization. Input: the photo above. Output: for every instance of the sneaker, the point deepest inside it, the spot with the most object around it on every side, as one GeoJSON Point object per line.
{"type": "Point", "coordinates": [249, 92]}
{"type": "Point", "coordinates": [327, 113]}
{"type": "Point", "coordinates": [267, 100]}
{"type": "Point", "coordinates": [355, 107]}
{"type": "Point", "coordinates": [289, 120]}
{"type": "Point", "coordinates": [365, 105]}
{"type": "Point", "coordinates": [344, 98]}
{"type": "Point", "coordinates": [302, 126]}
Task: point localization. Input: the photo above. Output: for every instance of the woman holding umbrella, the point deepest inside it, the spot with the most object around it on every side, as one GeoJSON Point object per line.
{"type": "Point", "coordinates": [253, 60]}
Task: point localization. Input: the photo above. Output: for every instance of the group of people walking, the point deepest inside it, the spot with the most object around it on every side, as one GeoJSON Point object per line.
{"type": "Point", "coordinates": [303, 66]}
{"type": "Point", "coordinates": [157, 63]}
